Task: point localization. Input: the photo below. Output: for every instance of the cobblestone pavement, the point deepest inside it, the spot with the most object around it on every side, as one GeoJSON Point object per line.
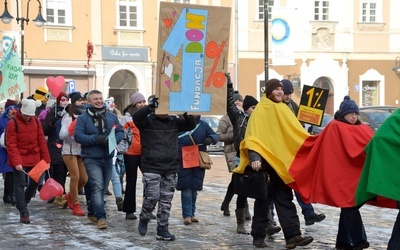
{"type": "Point", "coordinates": [55, 228]}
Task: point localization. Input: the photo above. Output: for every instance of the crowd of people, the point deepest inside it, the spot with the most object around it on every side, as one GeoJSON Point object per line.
{"type": "Point", "coordinates": [86, 138]}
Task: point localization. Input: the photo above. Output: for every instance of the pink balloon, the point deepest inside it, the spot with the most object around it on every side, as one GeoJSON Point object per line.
{"type": "Point", "coordinates": [51, 188]}
{"type": "Point", "coordinates": [55, 85]}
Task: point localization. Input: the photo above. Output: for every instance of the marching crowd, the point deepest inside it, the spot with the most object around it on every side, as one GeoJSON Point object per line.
{"type": "Point", "coordinates": [268, 152]}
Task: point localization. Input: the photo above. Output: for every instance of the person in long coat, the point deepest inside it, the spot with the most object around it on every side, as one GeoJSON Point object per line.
{"type": "Point", "coordinates": [190, 180]}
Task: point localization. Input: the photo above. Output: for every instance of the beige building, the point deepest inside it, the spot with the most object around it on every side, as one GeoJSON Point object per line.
{"type": "Point", "coordinates": [346, 46]}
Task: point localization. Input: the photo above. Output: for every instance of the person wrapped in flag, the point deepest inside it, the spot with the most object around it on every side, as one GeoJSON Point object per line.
{"type": "Point", "coordinates": [273, 138]}
{"type": "Point", "coordinates": [329, 172]}
{"type": "Point", "coordinates": [380, 175]}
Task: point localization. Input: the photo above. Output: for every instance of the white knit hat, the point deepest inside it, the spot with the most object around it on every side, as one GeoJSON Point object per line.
{"type": "Point", "coordinates": [29, 106]}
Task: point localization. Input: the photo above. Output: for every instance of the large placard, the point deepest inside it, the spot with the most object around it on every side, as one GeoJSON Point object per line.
{"type": "Point", "coordinates": [12, 81]}
{"type": "Point", "coordinates": [193, 44]}
{"type": "Point", "coordinates": [312, 105]}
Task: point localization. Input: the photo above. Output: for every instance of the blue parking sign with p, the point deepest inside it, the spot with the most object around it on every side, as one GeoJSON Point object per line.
{"type": "Point", "coordinates": [71, 86]}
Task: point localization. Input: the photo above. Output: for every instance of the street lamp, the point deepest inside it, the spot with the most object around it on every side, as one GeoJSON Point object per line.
{"type": "Point", "coordinates": [39, 21]}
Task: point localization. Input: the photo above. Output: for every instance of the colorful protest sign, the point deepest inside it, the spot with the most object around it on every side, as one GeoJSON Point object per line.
{"type": "Point", "coordinates": [11, 74]}
{"type": "Point", "coordinates": [193, 44]}
{"type": "Point", "coordinates": [312, 105]}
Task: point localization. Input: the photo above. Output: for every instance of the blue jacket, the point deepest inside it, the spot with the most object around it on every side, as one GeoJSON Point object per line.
{"type": "Point", "coordinates": [193, 177]}
{"type": "Point", "coordinates": [4, 167]}
{"type": "Point", "coordinates": [86, 133]}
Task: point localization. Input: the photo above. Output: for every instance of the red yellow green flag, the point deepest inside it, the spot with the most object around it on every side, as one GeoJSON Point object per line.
{"type": "Point", "coordinates": [380, 176]}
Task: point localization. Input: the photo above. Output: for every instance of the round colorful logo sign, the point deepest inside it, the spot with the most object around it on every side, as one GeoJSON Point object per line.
{"type": "Point", "coordinates": [280, 30]}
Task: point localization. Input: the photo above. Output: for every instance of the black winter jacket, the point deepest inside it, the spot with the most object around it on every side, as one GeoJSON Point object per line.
{"type": "Point", "coordinates": [159, 140]}
{"type": "Point", "coordinates": [238, 119]}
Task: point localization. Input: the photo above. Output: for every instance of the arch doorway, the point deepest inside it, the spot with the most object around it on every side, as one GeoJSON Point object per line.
{"type": "Point", "coordinates": [122, 85]}
{"type": "Point", "coordinates": [326, 83]}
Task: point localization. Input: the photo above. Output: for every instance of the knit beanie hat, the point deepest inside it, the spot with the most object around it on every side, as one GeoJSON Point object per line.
{"type": "Point", "coordinates": [348, 106]}
{"type": "Point", "coordinates": [272, 84]}
{"type": "Point", "coordinates": [40, 94]}
{"type": "Point", "coordinates": [248, 102]}
{"type": "Point", "coordinates": [29, 106]}
{"type": "Point", "coordinates": [75, 96]}
{"type": "Point", "coordinates": [137, 97]}
{"type": "Point", "coordinates": [288, 86]}
{"type": "Point", "coordinates": [10, 103]}
{"type": "Point", "coordinates": [237, 96]}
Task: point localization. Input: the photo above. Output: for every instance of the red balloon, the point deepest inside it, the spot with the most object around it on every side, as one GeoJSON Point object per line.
{"type": "Point", "coordinates": [51, 188]}
{"type": "Point", "coordinates": [55, 85]}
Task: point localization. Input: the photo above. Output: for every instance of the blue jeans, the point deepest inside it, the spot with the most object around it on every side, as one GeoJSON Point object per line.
{"type": "Point", "coordinates": [306, 209]}
{"type": "Point", "coordinates": [188, 199]}
{"type": "Point", "coordinates": [99, 173]}
{"type": "Point", "coordinates": [116, 183]}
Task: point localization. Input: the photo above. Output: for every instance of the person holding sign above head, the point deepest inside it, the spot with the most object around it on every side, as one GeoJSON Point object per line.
{"type": "Point", "coordinates": [307, 210]}
{"type": "Point", "coordinates": [92, 131]}
{"type": "Point", "coordinates": [272, 136]}
{"type": "Point", "coordinates": [159, 162]}
{"type": "Point", "coordinates": [26, 147]}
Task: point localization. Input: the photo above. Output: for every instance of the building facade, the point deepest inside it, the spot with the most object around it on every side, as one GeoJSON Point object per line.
{"type": "Point", "coordinates": [346, 46]}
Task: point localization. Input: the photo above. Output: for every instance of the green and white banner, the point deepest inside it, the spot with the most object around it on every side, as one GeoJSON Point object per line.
{"type": "Point", "coordinates": [11, 74]}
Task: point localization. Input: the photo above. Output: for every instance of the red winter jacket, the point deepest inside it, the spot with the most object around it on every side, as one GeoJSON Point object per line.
{"type": "Point", "coordinates": [27, 147]}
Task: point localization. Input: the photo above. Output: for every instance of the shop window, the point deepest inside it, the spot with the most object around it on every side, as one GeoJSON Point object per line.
{"type": "Point", "coordinates": [370, 93]}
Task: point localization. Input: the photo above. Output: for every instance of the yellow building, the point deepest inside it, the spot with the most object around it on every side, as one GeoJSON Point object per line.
{"type": "Point", "coordinates": [349, 47]}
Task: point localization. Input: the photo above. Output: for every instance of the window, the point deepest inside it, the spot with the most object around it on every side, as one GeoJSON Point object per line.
{"type": "Point", "coordinates": [370, 93]}
{"type": "Point", "coordinates": [321, 10]}
{"type": "Point", "coordinates": [129, 13]}
{"type": "Point", "coordinates": [369, 11]}
{"type": "Point", "coordinates": [261, 9]}
{"type": "Point", "coordinates": [58, 12]}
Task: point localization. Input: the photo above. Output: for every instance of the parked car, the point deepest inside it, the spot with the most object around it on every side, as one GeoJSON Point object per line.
{"type": "Point", "coordinates": [213, 121]}
{"type": "Point", "coordinates": [314, 130]}
{"type": "Point", "coordinates": [374, 116]}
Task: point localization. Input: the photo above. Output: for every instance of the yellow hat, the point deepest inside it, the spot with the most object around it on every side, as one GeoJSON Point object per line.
{"type": "Point", "coordinates": [40, 94]}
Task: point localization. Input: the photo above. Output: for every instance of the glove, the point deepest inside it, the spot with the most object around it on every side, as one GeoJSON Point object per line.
{"type": "Point", "coordinates": [208, 141]}
{"type": "Point", "coordinates": [102, 140]}
{"type": "Point", "coordinates": [228, 80]}
{"type": "Point", "coordinates": [153, 103]}
{"type": "Point", "coordinates": [120, 157]}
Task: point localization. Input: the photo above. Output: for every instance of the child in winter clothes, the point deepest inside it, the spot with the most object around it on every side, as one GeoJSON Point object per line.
{"type": "Point", "coordinates": [10, 111]}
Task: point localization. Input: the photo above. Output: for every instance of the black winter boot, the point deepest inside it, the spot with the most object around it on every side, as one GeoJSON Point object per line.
{"type": "Point", "coordinates": [163, 233]}
{"type": "Point", "coordinates": [225, 208]}
{"type": "Point", "coordinates": [259, 243]}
